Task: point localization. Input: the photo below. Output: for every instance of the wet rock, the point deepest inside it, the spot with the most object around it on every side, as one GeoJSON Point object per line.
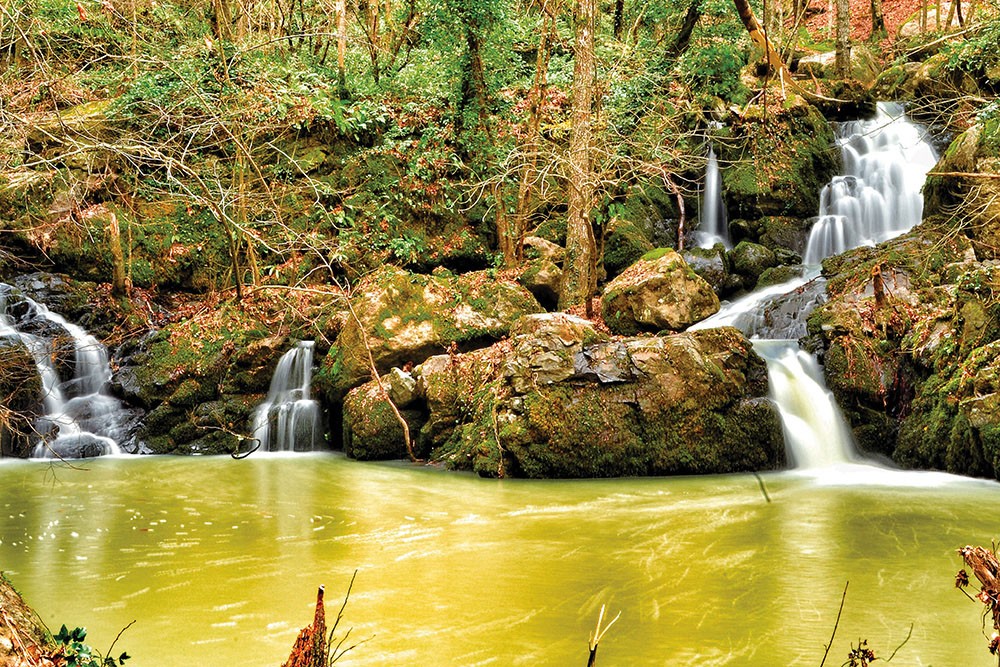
{"type": "Point", "coordinates": [711, 264]}
{"type": "Point", "coordinates": [750, 260]}
{"type": "Point", "coordinates": [659, 292]}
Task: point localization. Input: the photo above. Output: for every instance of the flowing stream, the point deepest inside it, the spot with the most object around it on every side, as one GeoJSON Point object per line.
{"type": "Point", "coordinates": [218, 560]}
{"type": "Point", "coordinates": [81, 419]}
{"type": "Point", "coordinates": [288, 419]}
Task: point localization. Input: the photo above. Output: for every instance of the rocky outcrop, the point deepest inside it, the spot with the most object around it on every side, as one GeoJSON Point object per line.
{"type": "Point", "coordinates": [965, 186]}
{"type": "Point", "coordinates": [403, 318]}
{"type": "Point", "coordinates": [659, 292]}
{"type": "Point", "coordinates": [910, 340]}
{"type": "Point", "coordinates": [20, 398]}
{"type": "Point", "coordinates": [24, 639]}
{"type": "Point", "coordinates": [776, 162]}
{"type": "Point", "coordinates": [560, 399]}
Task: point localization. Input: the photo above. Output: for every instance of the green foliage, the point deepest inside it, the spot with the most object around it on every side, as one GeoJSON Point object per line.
{"type": "Point", "coordinates": [714, 70]}
{"type": "Point", "coordinates": [977, 52]}
{"type": "Point", "coordinates": [78, 654]}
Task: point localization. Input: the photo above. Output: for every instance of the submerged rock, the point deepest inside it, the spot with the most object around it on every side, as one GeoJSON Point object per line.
{"type": "Point", "coordinates": [659, 292]}
{"type": "Point", "coordinates": [560, 399]}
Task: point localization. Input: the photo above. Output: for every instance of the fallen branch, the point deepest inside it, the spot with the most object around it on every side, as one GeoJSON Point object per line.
{"type": "Point", "coordinates": [598, 634]}
{"type": "Point", "coordinates": [836, 624]}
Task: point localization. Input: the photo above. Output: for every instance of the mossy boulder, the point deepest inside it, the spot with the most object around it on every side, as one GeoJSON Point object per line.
{"type": "Point", "coordinates": [23, 634]}
{"type": "Point", "coordinates": [560, 399]}
{"type": "Point", "coordinates": [777, 162]}
{"type": "Point", "coordinates": [750, 260]}
{"type": "Point", "coordinates": [972, 200]}
{"type": "Point", "coordinates": [404, 318]}
{"type": "Point", "coordinates": [914, 369]}
{"type": "Point", "coordinates": [371, 430]}
{"type": "Point", "coordinates": [624, 244]}
{"type": "Point", "coordinates": [659, 292]}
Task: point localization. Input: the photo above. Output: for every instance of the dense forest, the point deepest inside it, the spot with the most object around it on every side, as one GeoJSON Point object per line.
{"type": "Point", "coordinates": [412, 184]}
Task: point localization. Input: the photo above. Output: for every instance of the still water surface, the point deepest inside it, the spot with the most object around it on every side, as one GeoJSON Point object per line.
{"type": "Point", "coordinates": [218, 561]}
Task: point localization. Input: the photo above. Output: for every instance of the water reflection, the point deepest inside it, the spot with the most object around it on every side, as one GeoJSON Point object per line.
{"type": "Point", "coordinates": [218, 560]}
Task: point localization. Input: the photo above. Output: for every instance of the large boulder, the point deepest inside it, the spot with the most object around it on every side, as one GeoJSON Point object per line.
{"type": "Point", "coordinates": [659, 292]}
{"type": "Point", "coordinates": [750, 260]}
{"type": "Point", "coordinates": [777, 160]}
{"type": "Point", "coordinates": [967, 188]}
{"type": "Point", "coordinates": [909, 336]}
{"type": "Point", "coordinates": [403, 318]}
{"type": "Point", "coordinates": [560, 399]}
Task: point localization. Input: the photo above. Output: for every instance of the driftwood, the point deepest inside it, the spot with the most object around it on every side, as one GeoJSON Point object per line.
{"type": "Point", "coordinates": [986, 568]}
{"type": "Point", "coordinates": [310, 646]}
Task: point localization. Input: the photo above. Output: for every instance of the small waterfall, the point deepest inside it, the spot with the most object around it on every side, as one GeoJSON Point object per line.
{"type": "Point", "coordinates": [81, 420]}
{"type": "Point", "coordinates": [288, 420]}
{"type": "Point", "coordinates": [886, 161]}
{"type": "Point", "coordinates": [816, 434]}
{"type": "Point", "coordinates": [713, 227]}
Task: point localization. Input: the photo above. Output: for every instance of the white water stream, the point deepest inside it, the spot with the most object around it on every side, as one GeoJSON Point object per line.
{"type": "Point", "coordinates": [81, 419]}
{"type": "Point", "coordinates": [288, 419]}
{"type": "Point", "coordinates": [713, 227]}
{"type": "Point", "coordinates": [886, 161]}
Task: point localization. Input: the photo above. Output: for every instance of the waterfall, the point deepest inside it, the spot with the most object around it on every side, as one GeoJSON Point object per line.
{"type": "Point", "coordinates": [713, 227]}
{"type": "Point", "coordinates": [81, 419]}
{"type": "Point", "coordinates": [816, 434]}
{"type": "Point", "coordinates": [288, 420]}
{"type": "Point", "coordinates": [886, 161]}
{"type": "Point", "coordinates": [878, 196]}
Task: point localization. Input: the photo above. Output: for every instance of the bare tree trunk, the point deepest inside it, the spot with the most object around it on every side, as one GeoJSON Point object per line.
{"type": "Point", "coordinates": [222, 20]}
{"type": "Point", "coordinates": [579, 277]}
{"type": "Point", "coordinates": [878, 20]}
{"type": "Point", "coordinates": [342, 46]}
{"type": "Point", "coordinates": [843, 61]}
{"type": "Point", "coordinates": [619, 18]}
{"type": "Point", "coordinates": [684, 34]}
{"type": "Point", "coordinates": [758, 37]}
{"type": "Point", "coordinates": [119, 281]}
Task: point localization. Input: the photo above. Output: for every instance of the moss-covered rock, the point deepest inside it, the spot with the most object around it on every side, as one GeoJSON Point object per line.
{"type": "Point", "coordinates": [915, 373]}
{"type": "Point", "coordinates": [750, 260]}
{"type": "Point", "coordinates": [973, 202]}
{"type": "Point", "coordinates": [659, 292]}
{"type": "Point", "coordinates": [625, 243]}
{"type": "Point", "coordinates": [404, 318]}
{"type": "Point", "coordinates": [560, 399]}
{"type": "Point", "coordinates": [371, 429]}
{"type": "Point", "coordinates": [777, 163]}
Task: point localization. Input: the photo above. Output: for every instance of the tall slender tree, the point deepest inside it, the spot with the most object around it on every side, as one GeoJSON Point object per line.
{"type": "Point", "coordinates": [579, 277]}
{"type": "Point", "coordinates": [759, 37]}
{"type": "Point", "coordinates": [843, 59]}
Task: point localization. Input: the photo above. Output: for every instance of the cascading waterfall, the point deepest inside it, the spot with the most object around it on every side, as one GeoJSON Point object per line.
{"type": "Point", "coordinates": [886, 161]}
{"type": "Point", "coordinates": [816, 434]}
{"type": "Point", "coordinates": [81, 419]}
{"type": "Point", "coordinates": [713, 227]}
{"type": "Point", "coordinates": [288, 420]}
